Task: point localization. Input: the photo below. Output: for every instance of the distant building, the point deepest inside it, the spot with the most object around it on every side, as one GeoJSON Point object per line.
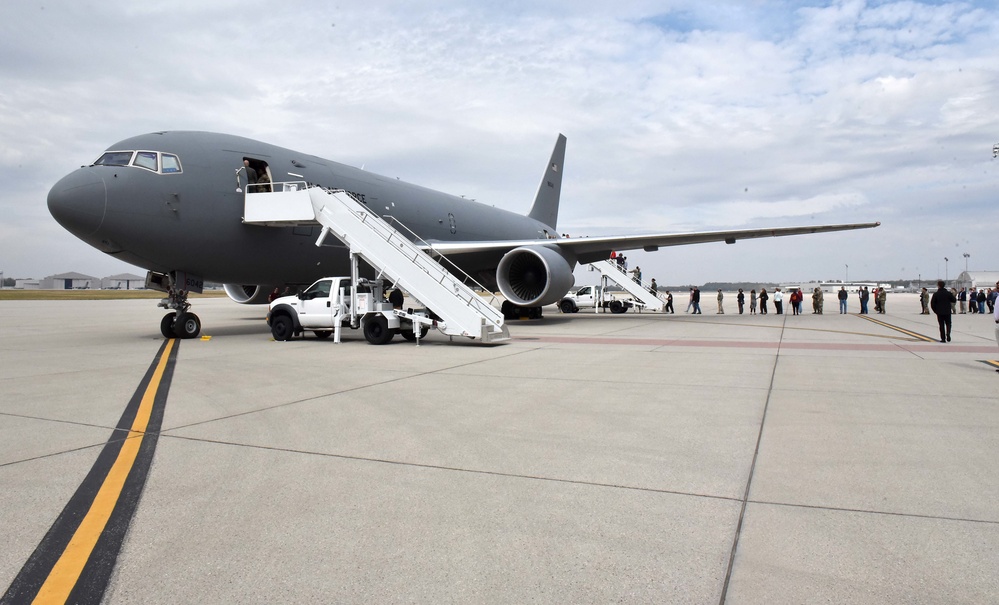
{"type": "Point", "coordinates": [27, 284]}
{"type": "Point", "coordinates": [69, 281]}
{"type": "Point", "coordinates": [123, 281]}
{"type": "Point", "coordinates": [977, 279]}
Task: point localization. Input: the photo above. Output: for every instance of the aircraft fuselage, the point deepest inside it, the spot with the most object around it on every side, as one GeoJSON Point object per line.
{"type": "Point", "coordinates": [190, 220]}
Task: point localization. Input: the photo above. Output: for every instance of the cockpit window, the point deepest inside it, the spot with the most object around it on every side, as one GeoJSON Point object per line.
{"type": "Point", "coordinates": [171, 163]}
{"type": "Point", "coordinates": [163, 163]}
{"type": "Point", "coordinates": [114, 158]}
{"type": "Point", "coordinates": [146, 159]}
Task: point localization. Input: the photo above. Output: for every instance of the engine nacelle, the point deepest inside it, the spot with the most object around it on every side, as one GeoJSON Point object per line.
{"type": "Point", "coordinates": [534, 276]}
{"type": "Point", "coordinates": [248, 295]}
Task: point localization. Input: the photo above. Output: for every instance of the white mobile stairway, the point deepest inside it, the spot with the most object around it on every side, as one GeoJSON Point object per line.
{"type": "Point", "coordinates": [612, 271]}
{"type": "Point", "coordinates": [368, 235]}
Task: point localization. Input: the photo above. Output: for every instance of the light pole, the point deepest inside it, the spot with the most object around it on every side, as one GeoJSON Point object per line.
{"type": "Point", "coordinates": [966, 257]}
{"type": "Point", "coordinates": [946, 261]}
{"type": "Point", "coordinates": [847, 280]}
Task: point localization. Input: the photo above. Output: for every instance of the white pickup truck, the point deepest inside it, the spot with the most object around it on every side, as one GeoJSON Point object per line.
{"type": "Point", "coordinates": [327, 303]}
{"type": "Point", "coordinates": [592, 297]}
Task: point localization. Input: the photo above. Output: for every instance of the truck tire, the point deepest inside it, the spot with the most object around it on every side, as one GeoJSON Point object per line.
{"type": "Point", "coordinates": [323, 334]}
{"type": "Point", "coordinates": [376, 330]}
{"type": "Point", "coordinates": [617, 306]}
{"type": "Point", "coordinates": [282, 328]}
{"type": "Point", "coordinates": [567, 306]}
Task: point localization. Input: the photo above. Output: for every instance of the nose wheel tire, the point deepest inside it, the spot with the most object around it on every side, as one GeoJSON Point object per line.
{"type": "Point", "coordinates": [187, 325]}
{"type": "Point", "coordinates": [166, 325]}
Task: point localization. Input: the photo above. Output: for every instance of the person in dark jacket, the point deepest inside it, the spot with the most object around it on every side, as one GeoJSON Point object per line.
{"type": "Point", "coordinates": [940, 303]}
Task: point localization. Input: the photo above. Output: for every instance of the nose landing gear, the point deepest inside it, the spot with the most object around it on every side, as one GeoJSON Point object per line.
{"type": "Point", "coordinates": [182, 323]}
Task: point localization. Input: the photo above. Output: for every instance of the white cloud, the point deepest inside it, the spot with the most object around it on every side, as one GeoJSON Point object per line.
{"type": "Point", "coordinates": [681, 115]}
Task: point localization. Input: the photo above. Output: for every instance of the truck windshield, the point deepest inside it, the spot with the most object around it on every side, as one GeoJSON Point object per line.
{"type": "Point", "coordinates": [320, 289]}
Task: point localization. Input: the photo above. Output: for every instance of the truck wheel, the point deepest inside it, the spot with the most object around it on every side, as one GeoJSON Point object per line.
{"type": "Point", "coordinates": [187, 325]}
{"type": "Point", "coordinates": [617, 306]}
{"type": "Point", "coordinates": [376, 330]}
{"type": "Point", "coordinates": [166, 325]}
{"type": "Point", "coordinates": [282, 328]}
{"type": "Point", "coordinates": [323, 334]}
{"type": "Point", "coordinates": [567, 306]}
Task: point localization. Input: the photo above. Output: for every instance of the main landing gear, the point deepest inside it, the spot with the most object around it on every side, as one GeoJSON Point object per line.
{"type": "Point", "coordinates": [181, 323]}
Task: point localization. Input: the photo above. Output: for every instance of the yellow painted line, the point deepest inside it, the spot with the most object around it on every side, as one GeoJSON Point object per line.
{"type": "Point", "coordinates": [66, 572]}
{"type": "Point", "coordinates": [898, 329]}
{"type": "Point", "coordinates": [991, 362]}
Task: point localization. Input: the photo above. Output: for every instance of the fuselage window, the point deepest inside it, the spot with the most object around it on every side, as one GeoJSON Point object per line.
{"type": "Point", "coordinates": [171, 163]}
{"type": "Point", "coordinates": [146, 159]}
{"type": "Point", "coordinates": [114, 158]}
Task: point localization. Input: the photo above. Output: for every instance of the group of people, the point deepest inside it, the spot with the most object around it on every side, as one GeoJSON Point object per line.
{"type": "Point", "coordinates": [976, 300]}
{"type": "Point", "coordinates": [795, 299]}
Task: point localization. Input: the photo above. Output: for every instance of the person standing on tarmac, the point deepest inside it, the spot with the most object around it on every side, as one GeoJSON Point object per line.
{"type": "Point", "coordinates": [941, 305]}
{"type": "Point", "coordinates": [843, 296]}
{"type": "Point", "coordinates": [721, 297]}
{"type": "Point", "coordinates": [669, 302]}
{"type": "Point", "coordinates": [995, 316]}
{"type": "Point", "coordinates": [695, 299]}
{"type": "Point", "coordinates": [924, 302]}
{"type": "Point", "coordinates": [740, 298]}
{"type": "Point", "coordinates": [778, 301]}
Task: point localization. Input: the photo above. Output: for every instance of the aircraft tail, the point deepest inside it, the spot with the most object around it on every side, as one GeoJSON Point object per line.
{"type": "Point", "coordinates": [545, 208]}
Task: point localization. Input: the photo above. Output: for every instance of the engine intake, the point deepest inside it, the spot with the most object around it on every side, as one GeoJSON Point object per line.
{"type": "Point", "coordinates": [534, 276]}
{"type": "Point", "coordinates": [248, 294]}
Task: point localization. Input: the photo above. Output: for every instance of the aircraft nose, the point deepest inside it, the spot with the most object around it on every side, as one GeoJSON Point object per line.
{"type": "Point", "coordinates": [78, 201]}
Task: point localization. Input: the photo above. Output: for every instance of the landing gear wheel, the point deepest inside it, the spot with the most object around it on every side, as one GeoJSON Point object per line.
{"type": "Point", "coordinates": [166, 325]}
{"type": "Point", "coordinates": [509, 310]}
{"type": "Point", "coordinates": [187, 325]}
{"type": "Point", "coordinates": [323, 334]}
{"type": "Point", "coordinates": [534, 312]}
{"type": "Point", "coordinates": [282, 328]}
{"type": "Point", "coordinates": [376, 330]}
{"type": "Point", "coordinates": [617, 306]}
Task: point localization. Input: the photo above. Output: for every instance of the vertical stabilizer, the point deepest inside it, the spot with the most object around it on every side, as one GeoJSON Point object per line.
{"type": "Point", "coordinates": [545, 208]}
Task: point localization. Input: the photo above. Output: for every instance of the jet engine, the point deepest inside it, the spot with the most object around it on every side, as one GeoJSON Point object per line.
{"type": "Point", "coordinates": [534, 276]}
{"type": "Point", "coordinates": [248, 295]}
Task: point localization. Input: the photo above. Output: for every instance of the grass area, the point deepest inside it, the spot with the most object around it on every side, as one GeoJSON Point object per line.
{"type": "Point", "coordinates": [9, 294]}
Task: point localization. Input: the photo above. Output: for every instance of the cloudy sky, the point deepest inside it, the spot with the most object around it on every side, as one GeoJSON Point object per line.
{"type": "Point", "coordinates": [680, 115]}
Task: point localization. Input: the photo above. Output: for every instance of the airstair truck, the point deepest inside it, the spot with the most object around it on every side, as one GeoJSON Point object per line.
{"type": "Point", "coordinates": [331, 304]}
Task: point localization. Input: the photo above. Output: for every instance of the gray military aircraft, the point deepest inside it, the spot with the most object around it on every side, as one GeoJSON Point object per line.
{"type": "Point", "coordinates": [172, 203]}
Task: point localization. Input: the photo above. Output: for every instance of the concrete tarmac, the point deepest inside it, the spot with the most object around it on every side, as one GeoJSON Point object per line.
{"type": "Point", "coordinates": [636, 458]}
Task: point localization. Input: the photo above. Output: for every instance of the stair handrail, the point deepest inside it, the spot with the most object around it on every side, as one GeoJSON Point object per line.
{"type": "Point", "coordinates": [477, 301]}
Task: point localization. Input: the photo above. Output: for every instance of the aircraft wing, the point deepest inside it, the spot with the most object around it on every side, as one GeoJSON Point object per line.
{"type": "Point", "coordinates": [590, 249]}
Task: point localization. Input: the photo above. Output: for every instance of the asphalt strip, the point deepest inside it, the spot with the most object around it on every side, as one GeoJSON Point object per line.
{"type": "Point", "coordinates": [74, 561]}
